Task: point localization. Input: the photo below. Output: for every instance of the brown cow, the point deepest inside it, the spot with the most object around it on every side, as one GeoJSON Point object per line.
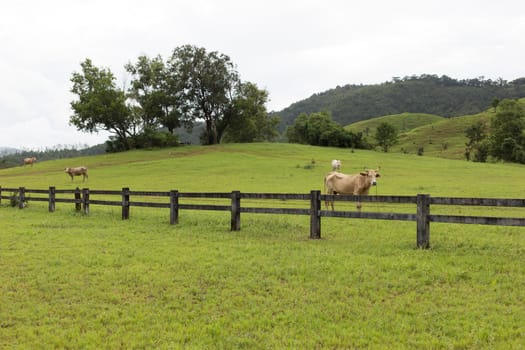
{"type": "Point", "coordinates": [81, 170]}
{"type": "Point", "coordinates": [355, 184]}
{"type": "Point", "coordinates": [31, 161]}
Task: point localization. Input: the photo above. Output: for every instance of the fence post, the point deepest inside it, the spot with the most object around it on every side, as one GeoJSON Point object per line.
{"type": "Point", "coordinates": [78, 201]}
{"type": "Point", "coordinates": [315, 214]}
{"type": "Point", "coordinates": [52, 196]}
{"type": "Point", "coordinates": [423, 222]}
{"type": "Point", "coordinates": [85, 200]}
{"type": "Point", "coordinates": [174, 207]}
{"type": "Point", "coordinates": [236, 211]}
{"type": "Point", "coordinates": [125, 203]}
{"type": "Point", "coordinates": [21, 197]}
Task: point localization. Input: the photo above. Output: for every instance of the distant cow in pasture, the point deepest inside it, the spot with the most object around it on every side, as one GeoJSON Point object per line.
{"type": "Point", "coordinates": [81, 170]}
{"type": "Point", "coordinates": [31, 161]}
{"type": "Point", "coordinates": [355, 184]}
{"type": "Point", "coordinates": [336, 165]}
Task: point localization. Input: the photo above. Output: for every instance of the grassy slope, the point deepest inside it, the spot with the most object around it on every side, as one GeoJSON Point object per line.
{"type": "Point", "coordinates": [266, 168]}
{"type": "Point", "coordinates": [402, 122]}
{"type": "Point", "coordinates": [445, 138]}
{"type": "Point", "coordinates": [438, 136]}
{"type": "Point", "coordinates": [98, 282]}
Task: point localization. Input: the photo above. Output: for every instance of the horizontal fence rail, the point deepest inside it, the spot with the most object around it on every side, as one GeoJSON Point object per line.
{"type": "Point", "coordinates": [82, 199]}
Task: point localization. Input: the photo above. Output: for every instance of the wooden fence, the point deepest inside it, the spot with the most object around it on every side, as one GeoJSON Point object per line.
{"type": "Point", "coordinates": [82, 201]}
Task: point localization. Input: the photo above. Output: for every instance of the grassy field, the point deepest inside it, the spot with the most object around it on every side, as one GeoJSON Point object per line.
{"type": "Point", "coordinates": [91, 282]}
{"type": "Point", "coordinates": [402, 122]}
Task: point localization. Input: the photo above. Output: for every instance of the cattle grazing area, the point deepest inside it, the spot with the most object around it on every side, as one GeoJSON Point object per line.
{"type": "Point", "coordinates": [70, 280]}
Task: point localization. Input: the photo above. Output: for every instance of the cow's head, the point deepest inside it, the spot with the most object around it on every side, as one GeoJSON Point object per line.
{"type": "Point", "coordinates": [371, 175]}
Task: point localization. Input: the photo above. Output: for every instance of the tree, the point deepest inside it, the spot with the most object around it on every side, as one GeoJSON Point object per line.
{"type": "Point", "coordinates": [100, 104]}
{"type": "Point", "coordinates": [386, 136]}
{"type": "Point", "coordinates": [477, 144]}
{"type": "Point", "coordinates": [319, 129]}
{"type": "Point", "coordinates": [204, 83]}
{"type": "Point", "coordinates": [495, 103]}
{"type": "Point", "coordinates": [507, 141]}
{"type": "Point", "coordinates": [296, 133]}
{"type": "Point", "coordinates": [149, 90]}
{"type": "Point", "coordinates": [318, 124]}
{"type": "Point", "coordinates": [246, 118]}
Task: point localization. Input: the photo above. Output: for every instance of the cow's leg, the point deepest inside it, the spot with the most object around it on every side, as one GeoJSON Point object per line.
{"type": "Point", "coordinates": [358, 203]}
{"type": "Point", "coordinates": [331, 202]}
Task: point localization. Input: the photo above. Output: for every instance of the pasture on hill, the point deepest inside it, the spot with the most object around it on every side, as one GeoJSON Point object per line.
{"type": "Point", "coordinates": [433, 135]}
{"type": "Point", "coordinates": [90, 282]}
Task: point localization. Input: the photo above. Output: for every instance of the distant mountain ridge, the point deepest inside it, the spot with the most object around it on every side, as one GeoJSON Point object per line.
{"type": "Point", "coordinates": [430, 94]}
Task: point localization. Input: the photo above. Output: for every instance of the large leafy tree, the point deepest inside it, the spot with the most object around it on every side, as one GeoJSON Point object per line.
{"type": "Point", "coordinates": [146, 89]}
{"type": "Point", "coordinates": [204, 83]}
{"type": "Point", "coordinates": [477, 145]}
{"type": "Point", "coordinates": [508, 139]}
{"type": "Point", "coordinates": [386, 136]}
{"type": "Point", "coordinates": [246, 118]}
{"type": "Point", "coordinates": [100, 104]}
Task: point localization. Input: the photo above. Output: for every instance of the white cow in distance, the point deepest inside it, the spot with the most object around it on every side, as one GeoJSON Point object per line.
{"type": "Point", "coordinates": [336, 165]}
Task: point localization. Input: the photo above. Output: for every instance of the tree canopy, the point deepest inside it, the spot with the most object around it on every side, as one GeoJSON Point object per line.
{"type": "Point", "coordinates": [507, 138]}
{"type": "Point", "coordinates": [192, 86]}
{"type": "Point", "coordinates": [319, 129]}
{"type": "Point", "coordinates": [100, 105]}
{"type": "Point", "coordinates": [386, 136]}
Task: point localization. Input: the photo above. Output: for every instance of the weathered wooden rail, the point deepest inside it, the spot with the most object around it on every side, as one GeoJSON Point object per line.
{"type": "Point", "coordinates": [82, 200]}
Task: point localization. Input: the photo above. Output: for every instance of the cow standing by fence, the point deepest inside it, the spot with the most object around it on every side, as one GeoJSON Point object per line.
{"type": "Point", "coordinates": [355, 184]}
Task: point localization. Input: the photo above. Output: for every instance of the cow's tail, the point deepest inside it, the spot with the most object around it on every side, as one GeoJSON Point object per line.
{"type": "Point", "coordinates": [328, 191]}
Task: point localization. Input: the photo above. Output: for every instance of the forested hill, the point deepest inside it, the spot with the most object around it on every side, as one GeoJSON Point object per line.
{"type": "Point", "coordinates": [430, 94]}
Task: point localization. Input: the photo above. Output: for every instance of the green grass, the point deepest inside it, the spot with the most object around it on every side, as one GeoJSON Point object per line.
{"type": "Point", "coordinates": [91, 282]}
{"type": "Point", "coordinates": [402, 122]}
{"type": "Point", "coordinates": [444, 139]}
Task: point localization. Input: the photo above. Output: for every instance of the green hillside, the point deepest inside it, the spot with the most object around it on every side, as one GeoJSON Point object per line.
{"type": "Point", "coordinates": [445, 138]}
{"type": "Point", "coordinates": [402, 122]}
{"type": "Point", "coordinates": [430, 94]}
{"type": "Point", "coordinates": [428, 134]}
{"type": "Point", "coordinates": [435, 136]}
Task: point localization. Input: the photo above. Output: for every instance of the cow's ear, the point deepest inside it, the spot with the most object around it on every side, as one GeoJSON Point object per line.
{"type": "Point", "coordinates": [364, 173]}
{"type": "Point", "coordinates": [377, 175]}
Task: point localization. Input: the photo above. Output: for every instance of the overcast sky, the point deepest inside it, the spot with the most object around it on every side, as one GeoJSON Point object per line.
{"type": "Point", "coordinates": [290, 48]}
